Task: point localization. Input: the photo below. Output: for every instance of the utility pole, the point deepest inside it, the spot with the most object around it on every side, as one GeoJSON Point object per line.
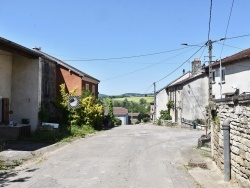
{"type": "Point", "coordinates": [210, 69]}
{"type": "Point", "coordinates": [154, 117]}
{"type": "Point", "coordinates": [210, 80]}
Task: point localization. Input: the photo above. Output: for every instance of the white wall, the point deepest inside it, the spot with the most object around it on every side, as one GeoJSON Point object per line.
{"type": "Point", "coordinates": [5, 74]}
{"type": "Point", "coordinates": [195, 99]}
{"type": "Point", "coordinates": [26, 87]}
{"type": "Point", "coordinates": [161, 101]}
{"type": "Point", "coordinates": [237, 75]}
{"type": "Point", "coordinates": [124, 119]}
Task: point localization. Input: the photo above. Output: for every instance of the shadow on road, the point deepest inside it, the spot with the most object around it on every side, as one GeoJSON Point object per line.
{"type": "Point", "coordinates": [24, 145]}
{"type": "Point", "coordinates": [8, 177]}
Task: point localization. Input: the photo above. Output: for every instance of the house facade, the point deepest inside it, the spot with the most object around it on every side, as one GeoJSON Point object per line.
{"type": "Point", "coordinates": [20, 85]}
{"type": "Point", "coordinates": [30, 79]}
{"type": "Point", "coordinates": [235, 72]}
{"type": "Point", "coordinates": [167, 93]}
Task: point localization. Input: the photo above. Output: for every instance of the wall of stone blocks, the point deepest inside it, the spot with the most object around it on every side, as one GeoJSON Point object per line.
{"type": "Point", "coordinates": [237, 109]}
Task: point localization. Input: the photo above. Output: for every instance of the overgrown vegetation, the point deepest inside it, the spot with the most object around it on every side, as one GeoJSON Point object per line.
{"type": "Point", "coordinates": [165, 114]}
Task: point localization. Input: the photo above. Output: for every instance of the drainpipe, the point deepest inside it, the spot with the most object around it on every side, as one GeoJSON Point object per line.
{"type": "Point", "coordinates": [226, 136]}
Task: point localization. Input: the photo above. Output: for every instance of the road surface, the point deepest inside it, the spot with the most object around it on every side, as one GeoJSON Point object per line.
{"type": "Point", "coordinates": [133, 156]}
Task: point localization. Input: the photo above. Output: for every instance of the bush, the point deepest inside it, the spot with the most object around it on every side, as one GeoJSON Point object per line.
{"type": "Point", "coordinates": [165, 115]}
{"type": "Point", "coordinates": [201, 121]}
{"type": "Point", "coordinates": [117, 121]}
{"type": "Point", "coordinates": [145, 119]}
{"type": "Point", "coordinates": [159, 122]}
{"type": "Point", "coordinates": [137, 122]}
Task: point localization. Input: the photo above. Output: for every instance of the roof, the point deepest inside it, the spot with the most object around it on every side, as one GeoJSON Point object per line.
{"type": "Point", "coordinates": [15, 48]}
{"type": "Point", "coordinates": [118, 111]}
{"type": "Point", "coordinates": [242, 55]}
{"type": "Point", "coordinates": [189, 79]}
{"type": "Point", "coordinates": [62, 63]}
{"type": "Point", "coordinates": [173, 82]}
{"type": "Point", "coordinates": [133, 114]}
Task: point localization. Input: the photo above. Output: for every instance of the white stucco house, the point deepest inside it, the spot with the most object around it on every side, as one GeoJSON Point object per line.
{"type": "Point", "coordinates": [189, 94]}
{"type": "Point", "coordinates": [234, 77]}
{"type": "Point", "coordinates": [162, 95]}
{"type": "Point", "coordinates": [20, 85]}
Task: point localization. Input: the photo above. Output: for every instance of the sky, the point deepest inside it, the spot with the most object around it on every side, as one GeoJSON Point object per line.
{"type": "Point", "coordinates": [128, 44]}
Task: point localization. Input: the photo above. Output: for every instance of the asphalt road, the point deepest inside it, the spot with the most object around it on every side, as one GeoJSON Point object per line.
{"type": "Point", "coordinates": [124, 157]}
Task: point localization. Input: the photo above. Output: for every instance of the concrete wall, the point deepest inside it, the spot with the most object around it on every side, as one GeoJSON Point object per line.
{"type": "Point", "coordinates": [161, 101]}
{"type": "Point", "coordinates": [195, 98]}
{"type": "Point", "coordinates": [26, 90]}
{"type": "Point", "coordinates": [237, 109]}
{"type": "Point", "coordinates": [5, 74]}
{"type": "Point", "coordinates": [237, 76]}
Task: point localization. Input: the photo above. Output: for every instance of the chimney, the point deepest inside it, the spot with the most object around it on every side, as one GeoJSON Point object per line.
{"type": "Point", "coordinates": [196, 66]}
{"type": "Point", "coordinates": [183, 71]}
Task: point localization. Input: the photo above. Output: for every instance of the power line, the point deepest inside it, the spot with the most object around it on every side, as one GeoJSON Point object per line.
{"type": "Point", "coordinates": [230, 46]}
{"type": "Point", "coordinates": [246, 35]}
{"type": "Point", "coordinates": [181, 64]}
{"type": "Point", "coordinates": [227, 27]}
{"type": "Point", "coordinates": [126, 57]}
{"type": "Point", "coordinates": [146, 66]}
{"type": "Point", "coordinates": [223, 45]}
{"type": "Point", "coordinates": [210, 18]}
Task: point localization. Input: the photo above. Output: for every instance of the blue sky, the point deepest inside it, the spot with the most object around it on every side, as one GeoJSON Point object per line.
{"type": "Point", "coordinates": [78, 30]}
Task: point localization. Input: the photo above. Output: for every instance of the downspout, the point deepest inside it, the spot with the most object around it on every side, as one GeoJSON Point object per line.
{"type": "Point", "coordinates": [227, 159]}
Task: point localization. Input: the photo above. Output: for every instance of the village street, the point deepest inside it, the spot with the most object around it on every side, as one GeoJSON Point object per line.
{"type": "Point", "coordinates": [126, 156]}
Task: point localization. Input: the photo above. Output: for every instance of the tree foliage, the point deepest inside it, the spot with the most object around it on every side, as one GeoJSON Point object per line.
{"type": "Point", "coordinates": [90, 111]}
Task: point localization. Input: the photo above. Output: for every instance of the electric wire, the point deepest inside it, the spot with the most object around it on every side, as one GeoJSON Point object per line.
{"type": "Point", "coordinates": [227, 29]}
{"type": "Point", "coordinates": [147, 66]}
{"type": "Point", "coordinates": [180, 65]}
{"type": "Point", "coordinates": [127, 57]}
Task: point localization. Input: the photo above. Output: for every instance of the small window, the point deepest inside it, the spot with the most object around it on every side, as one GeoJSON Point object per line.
{"type": "Point", "coordinates": [46, 67]}
{"type": "Point", "coordinates": [87, 87]}
{"type": "Point", "coordinates": [223, 73]}
{"type": "Point", "coordinates": [46, 88]}
{"type": "Point", "coordinates": [213, 76]}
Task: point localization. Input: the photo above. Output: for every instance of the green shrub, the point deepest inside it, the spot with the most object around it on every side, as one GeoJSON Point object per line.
{"type": "Point", "coordinates": [137, 122]}
{"type": "Point", "coordinates": [145, 119]}
{"type": "Point", "coordinates": [165, 115]}
{"type": "Point", "coordinates": [117, 121]}
{"type": "Point", "coordinates": [201, 121]}
{"type": "Point", "coordinates": [159, 122]}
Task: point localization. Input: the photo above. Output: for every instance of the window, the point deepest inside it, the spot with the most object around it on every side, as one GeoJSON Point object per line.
{"type": "Point", "coordinates": [87, 87]}
{"type": "Point", "coordinates": [93, 90]}
{"type": "Point", "coordinates": [223, 73]}
{"type": "Point", "coordinates": [46, 88]}
{"type": "Point", "coordinates": [213, 76]}
{"type": "Point", "coordinates": [46, 67]}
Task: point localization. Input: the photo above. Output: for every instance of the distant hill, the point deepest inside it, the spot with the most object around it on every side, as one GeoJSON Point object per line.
{"type": "Point", "coordinates": [126, 95]}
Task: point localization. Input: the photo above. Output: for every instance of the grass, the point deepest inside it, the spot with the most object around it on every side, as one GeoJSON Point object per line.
{"type": "Point", "coordinates": [60, 135]}
{"type": "Point", "coordinates": [134, 99]}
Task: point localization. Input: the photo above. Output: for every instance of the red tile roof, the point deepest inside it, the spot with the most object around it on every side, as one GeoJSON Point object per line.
{"type": "Point", "coordinates": [245, 54]}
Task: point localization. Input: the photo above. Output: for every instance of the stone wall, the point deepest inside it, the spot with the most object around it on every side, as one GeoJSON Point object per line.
{"type": "Point", "coordinates": [237, 109]}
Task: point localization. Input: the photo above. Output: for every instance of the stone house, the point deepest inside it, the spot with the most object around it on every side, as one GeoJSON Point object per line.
{"type": "Point", "coordinates": [234, 79]}
{"type": "Point", "coordinates": [57, 72]}
{"type": "Point", "coordinates": [30, 79]}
